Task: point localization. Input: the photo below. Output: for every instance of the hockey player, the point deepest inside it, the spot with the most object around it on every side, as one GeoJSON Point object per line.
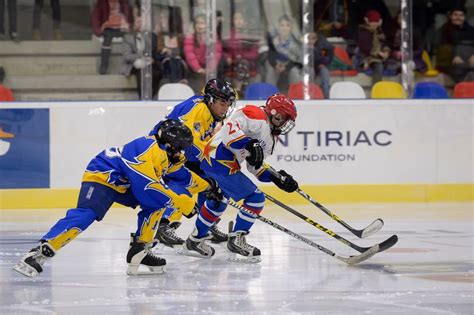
{"type": "Point", "coordinates": [202, 114]}
{"type": "Point", "coordinates": [250, 134]}
{"type": "Point", "coordinates": [129, 175]}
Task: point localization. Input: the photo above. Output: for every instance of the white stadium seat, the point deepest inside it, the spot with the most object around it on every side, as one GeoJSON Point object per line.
{"type": "Point", "coordinates": [346, 90]}
{"type": "Point", "coordinates": [175, 91]}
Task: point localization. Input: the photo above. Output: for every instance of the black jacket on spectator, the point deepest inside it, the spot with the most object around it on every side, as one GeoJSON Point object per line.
{"type": "Point", "coordinates": [451, 34]}
{"type": "Point", "coordinates": [454, 41]}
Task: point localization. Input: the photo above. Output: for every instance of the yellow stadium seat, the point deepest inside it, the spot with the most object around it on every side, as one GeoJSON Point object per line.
{"type": "Point", "coordinates": [431, 72]}
{"type": "Point", "coordinates": [388, 89]}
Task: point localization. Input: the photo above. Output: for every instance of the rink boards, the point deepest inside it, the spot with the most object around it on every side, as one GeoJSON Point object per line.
{"type": "Point", "coordinates": [340, 151]}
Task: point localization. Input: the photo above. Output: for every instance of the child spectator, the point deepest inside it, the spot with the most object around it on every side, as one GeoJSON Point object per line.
{"type": "Point", "coordinates": [110, 18]}
{"type": "Point", "coordinates": [372, 50]}
{"type": "Point", "coordinates": [455, 52]}
{"type": "Point", "coordinates": [195, 53]}
{"type": "Point", "coordinates": [323, 53]}
{"type": "Point", "coordinates": [12, 23]}
{"type": "Point", "coordinates": [133, 60]}
{"type": "Point", "coordinates": [359, 8]}
{"type": "Point", "coordinates": [285, 54]}
{"type": "Point", "coordinates": [241, 54]}
{"type": "Point", "coordinates": [6, 94]}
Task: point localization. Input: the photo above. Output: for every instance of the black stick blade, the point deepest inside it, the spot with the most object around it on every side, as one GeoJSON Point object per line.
{"type": "Point", "coordinates": [389, 242]}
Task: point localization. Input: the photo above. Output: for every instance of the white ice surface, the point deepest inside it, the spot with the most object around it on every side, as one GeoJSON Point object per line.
{"type": "Point", "coordinates": [430, 270]}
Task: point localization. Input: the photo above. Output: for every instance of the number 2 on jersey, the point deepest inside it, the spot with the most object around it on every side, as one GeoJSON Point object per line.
{"type": "Point", "coordinates": [231, 127]}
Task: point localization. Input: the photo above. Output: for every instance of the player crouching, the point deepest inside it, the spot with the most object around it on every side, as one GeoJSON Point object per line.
{"type": "Point", "coordinates": [131, 176]}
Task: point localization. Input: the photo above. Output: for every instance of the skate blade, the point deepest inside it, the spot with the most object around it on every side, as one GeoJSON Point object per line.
{"type": "Point", "coordinates": [135, 270]}
{"type": "Point", "coordinates": [25, 269]}
{"type": "Point", "coordinates": [192, 253]}
{"type": "Point", "coordinates": [236, 258]}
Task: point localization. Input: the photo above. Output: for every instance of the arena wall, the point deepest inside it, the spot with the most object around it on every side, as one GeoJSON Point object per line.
{"type": "Point", "coordinates": [340, 151]}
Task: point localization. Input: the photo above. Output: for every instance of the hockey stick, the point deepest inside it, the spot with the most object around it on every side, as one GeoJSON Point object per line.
{"type": "Point", "coordinates": [372, 228]}
{"type": "Point", "coordinates": [382, 246]}
{"type": "Point", "coordinates": [351, 260]}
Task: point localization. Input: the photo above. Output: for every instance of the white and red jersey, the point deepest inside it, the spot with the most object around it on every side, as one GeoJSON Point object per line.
{"type": "Point", "coordinates": [225, 152]}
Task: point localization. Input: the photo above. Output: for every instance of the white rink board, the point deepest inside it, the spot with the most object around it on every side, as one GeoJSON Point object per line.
{"type": "Point", "coordinates": [381, 144]}
{"type": "Point", "coordinates": [347, 142]}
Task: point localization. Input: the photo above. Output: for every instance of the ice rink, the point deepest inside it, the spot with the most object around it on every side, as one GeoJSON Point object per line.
{"type": "Point", "coordinates": [429, 271]}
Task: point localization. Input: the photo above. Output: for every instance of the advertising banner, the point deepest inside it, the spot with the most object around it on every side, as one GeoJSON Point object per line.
{"type": "Point", "coordinates": [379, 144]}
{"type": "Point", "coordinates": [24, 148]}
{"type": "Point", "coordinates": [334, 143]}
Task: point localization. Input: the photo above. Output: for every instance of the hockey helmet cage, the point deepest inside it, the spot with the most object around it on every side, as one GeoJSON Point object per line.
{"type": "Point", "coordinates": [283, 106]}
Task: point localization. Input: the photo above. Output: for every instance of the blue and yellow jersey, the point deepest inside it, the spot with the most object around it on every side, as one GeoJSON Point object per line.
{"type": "Point", "coordinates": [195, 114]}
{"type": "Point", "coordinates": [140, 166]}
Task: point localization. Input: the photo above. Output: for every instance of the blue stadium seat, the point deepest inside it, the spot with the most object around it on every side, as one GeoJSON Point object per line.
{"type": "Point", "coordinates": [259, 91]}
{"type": "Point", "coordinates": [431, 90]}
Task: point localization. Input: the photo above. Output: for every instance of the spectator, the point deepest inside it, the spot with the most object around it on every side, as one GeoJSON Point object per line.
{"type": "Point", "coordinates": [6, 94]}
{"type": "Point", "coordinates": [195, 53]}
{"type": "Point", "coordinates": [455, 51]}
{"type": "Point", "coordinates": [56, 12]}
{"type": "Point", "coordinates": [285, 54]}
{"type": "Point", "coordinates": [110, 18]}
{"type": "Point", "coordinates": [134, 61]}
{"type": "Point", "coordinates": [12, 23]}
{"type": "Point", "coordinates": [395, 40]}
{"type": "Point", "coordinates": [241, 54]}
{"type": "Point", "coordinates": [359, 8]}
{"type": "Point", "coordinates": [332, 18]}
{"type": "Point", "coordinates": [323, 53]}
{"type": "Point", "coordinates": [372, 51]}
{"type": "Point", "coordinates": [170, 49]}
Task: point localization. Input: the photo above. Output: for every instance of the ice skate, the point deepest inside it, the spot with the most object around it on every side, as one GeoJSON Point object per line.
{"type": "Point", "coordinates": [217, 235]}
{"type": "Point", "coordinates": [197, 247]}
{"type": "Point", "coordinates": [31, 264]}
{"type": "Point", "coordinates": [140, 254]}
{"type": "Point", "coordinates": [167, 236]}
{"type": "Point", "coordinates": [240, 250]}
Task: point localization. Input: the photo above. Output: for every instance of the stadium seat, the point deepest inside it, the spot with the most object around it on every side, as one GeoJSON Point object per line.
{"type": "Point", "coordinates": [175, 91]}
{"type": "Point", "coordinates": [341, 54]}
{"type": "Point", "coordinates": [429, 90]}
{"type": "Point", "coordinates": [259, 91]}
{"type": "Point", "coordinates": [431, 71]}
{"type": "Point", "coordinates": [388, 89]}
{"type": "Point", "coordinates": [346, 90]}
{"type": "Point", "coordinates": [296, 91]}
{"type": "Point", "coordinates": [464, 90]}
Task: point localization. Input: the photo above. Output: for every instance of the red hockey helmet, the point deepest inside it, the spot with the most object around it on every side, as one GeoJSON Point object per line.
{"type": "Point", "coordinates": [281, 109]}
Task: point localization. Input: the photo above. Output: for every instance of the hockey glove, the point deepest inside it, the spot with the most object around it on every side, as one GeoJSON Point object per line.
{"type": "Point", "coordinates": [214, 192]}
{"type": "Point", "coordinates": [285, 181]}
{"type": "Point", "coordinates": [255, 150]}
